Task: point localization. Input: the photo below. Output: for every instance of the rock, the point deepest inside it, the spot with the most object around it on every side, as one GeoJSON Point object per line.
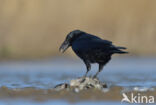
{"type": "Point", "coordinates": [61, 86]}
{"type": "Point", "coordinates": [87, 83]}
{"type": "Point", "coordinates": [82, 84]}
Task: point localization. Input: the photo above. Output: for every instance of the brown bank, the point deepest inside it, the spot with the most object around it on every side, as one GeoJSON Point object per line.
{"type": "Point", "coordinates": [81, 89]}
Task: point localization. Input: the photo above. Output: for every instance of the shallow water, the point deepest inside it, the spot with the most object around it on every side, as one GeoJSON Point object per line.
{"type": "Point", "coordinates": [127, 72]}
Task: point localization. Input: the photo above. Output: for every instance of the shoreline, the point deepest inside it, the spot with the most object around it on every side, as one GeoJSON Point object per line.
{"type": "Point", "coordinates": [114, 94]}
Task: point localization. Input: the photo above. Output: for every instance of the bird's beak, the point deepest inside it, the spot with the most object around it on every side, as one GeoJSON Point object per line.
{"type": "Point", "coordinates": [64, 46]}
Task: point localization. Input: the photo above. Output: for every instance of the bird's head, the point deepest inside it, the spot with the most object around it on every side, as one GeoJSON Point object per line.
{"type": "Point", "coordinates": [69, 39]}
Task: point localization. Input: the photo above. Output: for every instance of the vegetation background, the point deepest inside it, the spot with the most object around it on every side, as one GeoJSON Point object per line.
{"type": "Point", "coordinates": [36, 28]}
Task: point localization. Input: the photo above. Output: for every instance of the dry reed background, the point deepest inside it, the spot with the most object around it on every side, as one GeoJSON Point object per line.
{"type": "Point", "coordinates": [36, 28]}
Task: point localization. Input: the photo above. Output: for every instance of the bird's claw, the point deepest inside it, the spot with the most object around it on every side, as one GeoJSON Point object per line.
{"type": "Point", "coordinates": [94, 77]}
{"type": "Point", "coordinates": [83, 79]}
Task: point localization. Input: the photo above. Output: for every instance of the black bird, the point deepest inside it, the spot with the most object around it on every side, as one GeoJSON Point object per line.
{"type": "Point", "coordinates": [91, 49]}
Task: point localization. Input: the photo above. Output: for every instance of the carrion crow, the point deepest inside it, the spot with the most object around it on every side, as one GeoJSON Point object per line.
{"type": "Point", "coordinates": [91, 49]}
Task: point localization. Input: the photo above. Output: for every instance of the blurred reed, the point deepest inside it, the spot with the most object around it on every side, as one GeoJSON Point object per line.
{"type": "Point", "coordinates": [36, 28]}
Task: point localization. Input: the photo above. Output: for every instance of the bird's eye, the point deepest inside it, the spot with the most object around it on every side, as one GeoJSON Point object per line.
{"type": "Point", "coordinates": [70, 36]}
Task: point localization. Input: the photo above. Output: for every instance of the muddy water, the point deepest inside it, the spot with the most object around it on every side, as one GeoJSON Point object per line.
{"type": "Point", "coordinates": [31, 82]}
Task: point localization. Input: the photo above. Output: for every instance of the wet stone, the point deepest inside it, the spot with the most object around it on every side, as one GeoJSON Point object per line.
{"type": "Point", "coordinates": [61, 86]}
{"type": "Point", "coordinates": [82, 84]}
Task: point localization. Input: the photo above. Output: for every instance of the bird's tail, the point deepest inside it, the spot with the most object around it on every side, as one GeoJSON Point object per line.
{"type": "Point", "coordinates": [121, 47]}
{"type": "Point", "coordinates": [119, 51]}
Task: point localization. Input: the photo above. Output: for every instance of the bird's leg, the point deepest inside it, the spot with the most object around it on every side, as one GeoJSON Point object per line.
{"type": "Point", "coordinates": [100, 68]}
{"type": "Point", "coordinates": [88, 66]}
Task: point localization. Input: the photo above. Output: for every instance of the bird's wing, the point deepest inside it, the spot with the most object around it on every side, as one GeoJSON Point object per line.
{"type": "Point", "coordinates": [101, 45]}
{"type": "Point", "coordinates": [92, 43]}
{"type": "Point", "coordinates": [89, 37]}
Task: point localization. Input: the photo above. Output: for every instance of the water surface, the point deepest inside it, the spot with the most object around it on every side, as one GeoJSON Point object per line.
{"type": "Point", "coordinates": [127, 72]}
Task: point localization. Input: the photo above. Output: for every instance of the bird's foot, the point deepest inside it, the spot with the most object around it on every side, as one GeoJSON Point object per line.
{"type": "Point", "coordinates": [90, 76]}
{"type": "Point", "coordinates": [83, 79]}
{"type": "Point", "coordinates": [95, 77]}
